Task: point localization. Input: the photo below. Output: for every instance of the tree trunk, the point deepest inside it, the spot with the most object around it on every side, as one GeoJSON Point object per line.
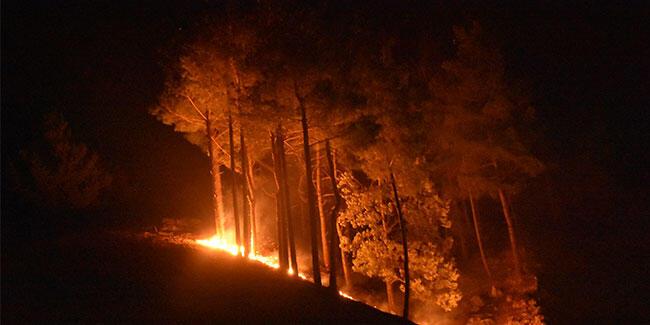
{"type": "Point", "coordinates": [253, 203]}
{"type": "Point", "coordinates": [250, 192]}
{"type": "Point", "coordinates": [321, 212]}
{"type": "Point", "coordinates": [390, 296]}
{"type": "Point", "coordinates": [283, 259]}
{"type": "Point", "coordinates": [244, 166]}
{"type": "Point", "coordinates": [245, 199]}
{"type": "Point", "coordinates": [345, 264]}
{"type": "Point", "coordinates": [390, 292]}
{"type": "Point", "coordinates": [402, 226]}
{"type": "Point", "coordinates": [462, 230]}
{"type": "Point", "coordinates": [511, 234]}
{"type": "Point", "coordinates": [334, 239]}
{"type": "Point", "coordinates": [217, 196]}
{"type": "Point", "coordinates": [235, 207]}
{"type": "Point", "coordinates": [313, 221]}
{"type": "Point", "coordinates": [478, 238]}
{"type": "Point", "coordinates": [288, 218]}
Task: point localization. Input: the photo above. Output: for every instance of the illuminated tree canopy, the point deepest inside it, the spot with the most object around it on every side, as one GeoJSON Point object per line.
{"type": "Point", "coordinates": [449, 128]}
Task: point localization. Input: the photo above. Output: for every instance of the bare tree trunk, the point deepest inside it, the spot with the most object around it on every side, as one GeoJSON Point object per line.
{"type": "Point", "coordinates": [245, 192]}
{"type": "Point", "coordinates": [402, 226]}
{"type": "Point", "coordinates": [217, 196]}
{"type": "Point", "coordinates": [390, 292]}
{"type": "Point", "coordinates": [235, 207]}
{"type": "Point", "coordinates": [390, 296]}
{"type": "Point", "coordinates": [252, 202]}
{"type": "Point", "coordinates": [345, 264]}
{"type": "Point", "coordinates": [347, 272]}
{"type": "Point", "coordinates": [313, 221]}
{"type": "Point", "coordinates": [462, 230]}
{"type": "Point", "coordinates": [478, 238]}
{"type": "Point", "coordinates": [334, 239]}
{"type": "Point", "coordinates": [249, 193]}
{"type": "Point", "coordinates": [511, 234]}
{"type": "Point", "coordinates": [283, 259]}
{"type": "Point", "coordinates": [321, 212]}
{"type": "Point", "coordinates": [287, 204]}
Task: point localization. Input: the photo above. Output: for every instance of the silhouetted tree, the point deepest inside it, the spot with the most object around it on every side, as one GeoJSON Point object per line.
{"type": "Point", "coordinates": [60, 173]}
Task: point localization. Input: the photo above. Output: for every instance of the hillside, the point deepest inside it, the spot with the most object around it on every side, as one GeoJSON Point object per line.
{"type": "Point", "coordinates": [110, 277]}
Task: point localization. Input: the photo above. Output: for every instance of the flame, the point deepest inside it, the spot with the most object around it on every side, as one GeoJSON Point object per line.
{"type": "Point", "coordinates": [217, 242]}
{"type": "Point", "coordinates": [222, 244]}
{"type": "Point", "coordinates": [345, 295]}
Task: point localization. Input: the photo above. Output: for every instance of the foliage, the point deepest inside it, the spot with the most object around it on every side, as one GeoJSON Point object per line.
{"type": "Point", "coordinates": [476, 320]}
{"type": "Point", "coordinates": [520, 311]}
{"type": "Point", "coordinates": [61, 173]}
{"type": "Point", "coordinates": [510, 310]}
{"type": "Point", "coordinates": [212, 78]}
{"type": "Point", "coordinates": [377, 251]}
{"type": "Point", "coordinates": [478, 135]}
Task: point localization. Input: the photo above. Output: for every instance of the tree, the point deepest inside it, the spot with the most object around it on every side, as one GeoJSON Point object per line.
{"type": "Point", "coordinates": [60, 174]}
{"type": "Point", "coordinates": [480, 146]}
{"type": "Point", "coordinates": [377, 250]}
{"type": "Point", "coordinates": [402, 227]}
{"type": "Point", "coordinates": [286, 243]}
{"type": "Point", "coordinates": [213, 77]}
{"type": "Point", "coordinates": [194, 102]}
{"type": "Point", "coordinates": [479, 241]}
{"type": "Point", "coordinates": [321, 209]}
{"type": "Point", "coordinates": [333, 238]}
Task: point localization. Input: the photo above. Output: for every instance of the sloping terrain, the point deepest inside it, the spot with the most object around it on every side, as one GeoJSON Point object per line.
{"type": "Point", "coordinates": [109, 277]}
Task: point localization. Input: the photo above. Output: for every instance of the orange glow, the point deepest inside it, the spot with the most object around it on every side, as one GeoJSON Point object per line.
{"type": "Point", "coordinates": [345, 295]}
{"type": "Point", "coordinates": [225, 245]}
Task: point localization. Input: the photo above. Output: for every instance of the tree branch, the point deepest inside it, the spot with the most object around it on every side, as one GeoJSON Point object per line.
{"type": "Point", "coordinates": [196, 108]}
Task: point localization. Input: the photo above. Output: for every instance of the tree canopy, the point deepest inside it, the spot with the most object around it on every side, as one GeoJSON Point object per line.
{"type": "Point", "coordinates": [447, 124]}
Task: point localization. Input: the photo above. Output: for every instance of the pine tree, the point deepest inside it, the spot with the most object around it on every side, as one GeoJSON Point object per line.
{"type": "Point", "coordinates": [481, 148]}
{"type": "Point", "coordinates": [60, 174]}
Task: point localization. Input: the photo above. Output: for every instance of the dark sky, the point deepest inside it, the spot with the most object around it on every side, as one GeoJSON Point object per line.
{"type": "Point", "coordinates": [586, 66]}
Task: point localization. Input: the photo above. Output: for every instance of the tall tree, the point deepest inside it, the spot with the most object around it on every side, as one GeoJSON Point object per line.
{"type": "Point", "coordinates": [313, 221]}
{"type": "Point", "coordinates": [333, 238]}
{"type": "Point", "coordinates": [196, 112]}
{"type": "Point", "coordinates": [479, 240]}
{"type": "Point", "coordinates": [402, 227]}
{"type": "Point", "coordinates": [233, 179]}
{"type": "Point", "coordinates": [321, 209]}
{"type": "Point", "coordinates": [289, 222]}
{"type": "Point", "coordinates": [215, 174]}
{"type": "Point", "coordinates": [248, 194]}
{"type": "Point", "coordinates": [480, 139]}
{"type": "Point", "coordinates": [216, 72]}
{"type": "Point", "coordinates": [281, 209]}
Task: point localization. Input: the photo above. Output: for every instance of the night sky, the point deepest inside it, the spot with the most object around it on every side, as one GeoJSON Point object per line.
{"type": "Point", "coordinates": [587, 69]}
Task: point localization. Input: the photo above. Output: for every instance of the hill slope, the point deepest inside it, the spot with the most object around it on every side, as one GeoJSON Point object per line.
{"type": "Point", "coordinates": [110, 277]}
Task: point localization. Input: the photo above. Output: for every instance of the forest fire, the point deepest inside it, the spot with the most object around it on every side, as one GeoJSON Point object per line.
{"type": "Point", "coordinates": [397, 169]}
{"type": "Point", "coordinates": [443, 162]}
{"type": "Point", "coordinates": [219, 243]}
{"type": "Point", "coordinates": [382, 188]}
